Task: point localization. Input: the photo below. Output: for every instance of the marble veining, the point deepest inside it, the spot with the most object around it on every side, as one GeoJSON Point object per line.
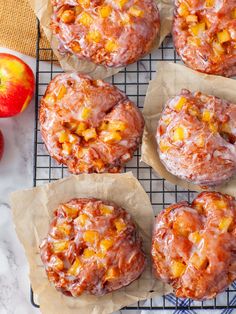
{"type": "Point", "coordinates": [16, 172]}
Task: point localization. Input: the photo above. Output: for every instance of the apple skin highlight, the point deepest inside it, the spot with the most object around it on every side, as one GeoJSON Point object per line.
{"type": "Point", "coordinates": [16, 85]}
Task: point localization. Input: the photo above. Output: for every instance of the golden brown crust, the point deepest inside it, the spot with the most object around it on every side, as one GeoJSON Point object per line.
{"type": "Point", "coordinates": [89, 125]}
{"type": "Point", "coordinates": [204, 35]}
{"type": "Point", "coordinates": [108, 32]}
{"type": "Point", "coordinates": [92, 247]}
{"type": "Point", "coordinates": [196, 137]}
{"type": "Point", "coordinates": [193, 245]}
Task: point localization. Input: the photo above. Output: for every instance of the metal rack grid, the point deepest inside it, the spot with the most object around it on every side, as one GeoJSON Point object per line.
{"type": "Point", "coordinates": [133, 80]}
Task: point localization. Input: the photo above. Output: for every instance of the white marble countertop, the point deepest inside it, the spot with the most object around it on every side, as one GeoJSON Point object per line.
{"type": "Point", "coordinates": [16, 172]}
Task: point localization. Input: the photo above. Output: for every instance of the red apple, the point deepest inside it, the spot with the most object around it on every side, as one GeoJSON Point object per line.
{"type": "Point", "coordinates": [16, 85]}
{"type": "Point", "coordinates": [1, 145]}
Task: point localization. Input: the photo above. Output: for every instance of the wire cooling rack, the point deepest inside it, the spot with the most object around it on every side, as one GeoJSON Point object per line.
{"type": "Point", "coordinates": [133, 80]}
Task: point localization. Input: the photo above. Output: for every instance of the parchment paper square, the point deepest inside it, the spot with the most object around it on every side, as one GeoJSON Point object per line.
{"type": "Point", "coordinates": [32, 211]}
{"type": "Point", "coordinates": [168, 82]}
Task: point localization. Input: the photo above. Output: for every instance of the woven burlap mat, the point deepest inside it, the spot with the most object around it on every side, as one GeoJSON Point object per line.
{"type": "Point", "coordinates": [18, 27]}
